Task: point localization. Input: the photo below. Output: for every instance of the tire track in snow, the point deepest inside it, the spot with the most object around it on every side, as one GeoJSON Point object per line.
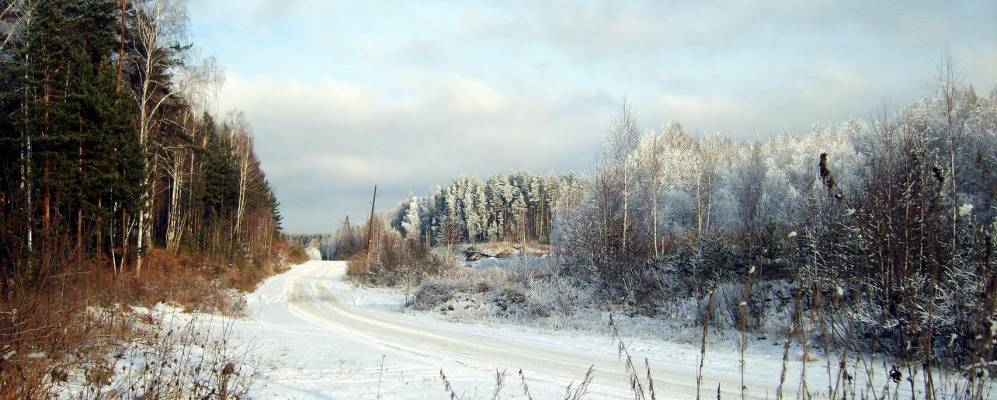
{"type": "Point", "coordinates": [312, 296]}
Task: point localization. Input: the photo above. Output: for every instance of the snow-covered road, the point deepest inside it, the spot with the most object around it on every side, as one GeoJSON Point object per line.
{"type": "Point", "coordinates": [320, 338]}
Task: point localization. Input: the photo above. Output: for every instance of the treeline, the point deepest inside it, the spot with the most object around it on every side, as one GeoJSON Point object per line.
{"type": "Point", "coordinates": [337, 246]}
{"type": "Point", "coordinates": [514, 207]}
{"type": "Point", "coordinates": [884, 227]}
{"type": "Point", "coordinates": [106, 145]}
{"type": "Point", "coordinates": [396, 247]}
{"type": "Point", "coordinates": [117, 187]}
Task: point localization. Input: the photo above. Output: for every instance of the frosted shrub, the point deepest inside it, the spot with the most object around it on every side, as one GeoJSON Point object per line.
{"type": "Point", "coordinates": [726, 299]}
{"type": "Point", "coordinates": [558, 294]}
{"type": "Point", "coordinates": [431, 293]}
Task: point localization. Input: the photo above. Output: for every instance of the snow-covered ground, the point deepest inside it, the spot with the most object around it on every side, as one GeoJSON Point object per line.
{"type": "Point", "coordinates": [318, 337]}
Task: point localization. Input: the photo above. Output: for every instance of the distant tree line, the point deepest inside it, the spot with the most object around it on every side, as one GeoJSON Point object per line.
{"type": "Point", "coordinates": [107, 146]}
{"type": "Point", "coordinates": [341, 245]}
{"type": "Point", "coordinates": [513, 207]}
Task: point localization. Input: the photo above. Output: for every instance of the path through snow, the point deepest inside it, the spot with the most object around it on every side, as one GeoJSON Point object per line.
{"type": "Point", "coordinates": [320, 338]}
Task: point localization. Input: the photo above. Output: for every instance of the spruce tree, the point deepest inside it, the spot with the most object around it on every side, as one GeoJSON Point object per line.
{"type": "Point", "coordinates": [221, 187]}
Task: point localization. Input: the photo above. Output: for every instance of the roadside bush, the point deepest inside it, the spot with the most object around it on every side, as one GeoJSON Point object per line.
{"type": "Point", "coordinates": [395, 261]}
{"type": "Point", "coordinates": [502, 293]}
{"type": "Point", "coordinates": [432, 293]}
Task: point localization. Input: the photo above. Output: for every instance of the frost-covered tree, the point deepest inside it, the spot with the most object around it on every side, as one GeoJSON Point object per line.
{"type": "Point", "coordinates": [620, 165]}
{"type": "Point", "coordinates": [411, 222]}
{"type": "Point", "coordinates": [895, 216]}
{"type": "Point", "coordinates": [749, 185]}
{"type": "Point", "coordinates": [501, 207]}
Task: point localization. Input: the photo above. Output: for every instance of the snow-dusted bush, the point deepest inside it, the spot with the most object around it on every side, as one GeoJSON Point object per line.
{"type": "Point", "coordinates": [529, 264]}
{"type": "Point", "coordinates": [501, 293]}
{"type": "Point", "coordinates": [395, 260]}
{"type": "Point", "coordinates": [432, 293]}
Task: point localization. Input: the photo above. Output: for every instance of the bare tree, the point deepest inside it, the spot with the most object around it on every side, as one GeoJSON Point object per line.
{"type": "Point", "coordinates": [652, 174]}
{"type": "Point", "coordinates": [710, 152]}
{"type": "Point", "coordinates": [748, 188]}
{"type": "Point", "coordinates": [198, 85]}
{"type": "Point", "coordinates": [242, 140]}
{"type": "Point", "coordinates": [159, 26]}
{"type": "Point", "coordinates": [621, 141]}
{"type": "Point", "coordinates": [948, 87]}
{"type": "Point", "coordinates": [14, 15]}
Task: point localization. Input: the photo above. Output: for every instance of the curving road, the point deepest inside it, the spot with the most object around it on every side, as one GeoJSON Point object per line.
{"type": "Point", "coordinates": [310, 311]}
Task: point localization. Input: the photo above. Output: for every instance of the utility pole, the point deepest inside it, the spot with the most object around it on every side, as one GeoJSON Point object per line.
{"type": "Point", "coordinates": [370, 225]}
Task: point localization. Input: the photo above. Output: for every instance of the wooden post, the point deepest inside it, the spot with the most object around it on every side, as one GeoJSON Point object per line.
{"type": "Point", "coordinates": [370, 225]}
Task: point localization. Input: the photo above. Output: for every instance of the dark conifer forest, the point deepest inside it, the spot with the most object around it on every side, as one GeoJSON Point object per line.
{"type": "Point", "coordinates": [117, 183]}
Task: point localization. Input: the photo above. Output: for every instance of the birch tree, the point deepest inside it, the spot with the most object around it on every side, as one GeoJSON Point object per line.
{"type": "Point", "coordinates": [748, 187]}
{"type": "Point", "coordinates": [948, 88]}
{"type": "Point", "coordinates": [621, 141]}
{"type": "Point", "coordinates": [198, 84]}
{"type": "Point", "coordinates": [242, 141]}
{"type": "Point", "coordinates": [709, 158]}
{"type": "Point", "coordinates": [15, 15]}
{"type": "Point", "coordinates": [159, 27]}
{"type": "Point", "coordinates": [651, 154]}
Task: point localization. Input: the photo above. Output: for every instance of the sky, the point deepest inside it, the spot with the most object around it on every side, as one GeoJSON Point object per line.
{"type": "Point", "coordinates": [408, 95]}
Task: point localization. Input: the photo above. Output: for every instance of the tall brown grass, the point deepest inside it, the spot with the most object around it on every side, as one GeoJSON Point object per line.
{"type": "Point", "coordinates": [66, 327]}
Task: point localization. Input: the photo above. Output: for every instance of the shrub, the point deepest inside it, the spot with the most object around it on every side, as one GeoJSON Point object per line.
{"type": "Point", "coordinates": [395, 261]}
{"type": "Point", "coordinates": [432, 293]}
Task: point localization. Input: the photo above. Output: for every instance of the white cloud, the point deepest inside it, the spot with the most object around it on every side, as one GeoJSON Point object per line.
{"type": "Point", "coordinates": [343, 95]}
{"type": "Point", "coordinates": [341, 138]}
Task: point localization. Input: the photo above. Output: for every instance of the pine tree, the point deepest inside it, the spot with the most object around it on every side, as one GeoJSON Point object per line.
{"type": "Point", "coordinates": [221, 188]}
{"type": "Point", "coordinates": [77, 128]}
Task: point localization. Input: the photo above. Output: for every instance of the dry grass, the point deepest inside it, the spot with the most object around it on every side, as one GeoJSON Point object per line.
{"type": "Point", "coordinates": [571, 392]}
{"type": "Point", "coordinates": [74, 326]}
{"type": "Point", "coordinates": [397, 261]}
{"type": "Point", "coordinates": [176, 358]}
{"type": "Point", "coordinates": [196, 283]}
{"type": "Point", "coordinates": [858, 379]}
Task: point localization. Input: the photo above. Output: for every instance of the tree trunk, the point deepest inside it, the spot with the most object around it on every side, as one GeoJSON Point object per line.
{"type": "Point", "coordinates": [654, 221]}
{"type": "Point", "coordinates": [100, 211]}
{"type": "Point", "coordinates": [121, 48]}
{"type": "Point", "coordinates": [141, 234]}
{"type": "Point", "coordinates": [626, 202]}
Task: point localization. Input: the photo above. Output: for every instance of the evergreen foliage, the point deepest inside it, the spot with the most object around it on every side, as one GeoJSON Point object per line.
{"type": "Point", "coordinates": [84, 160]}
{"type": "Point", "coordinates": [511, 207]}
